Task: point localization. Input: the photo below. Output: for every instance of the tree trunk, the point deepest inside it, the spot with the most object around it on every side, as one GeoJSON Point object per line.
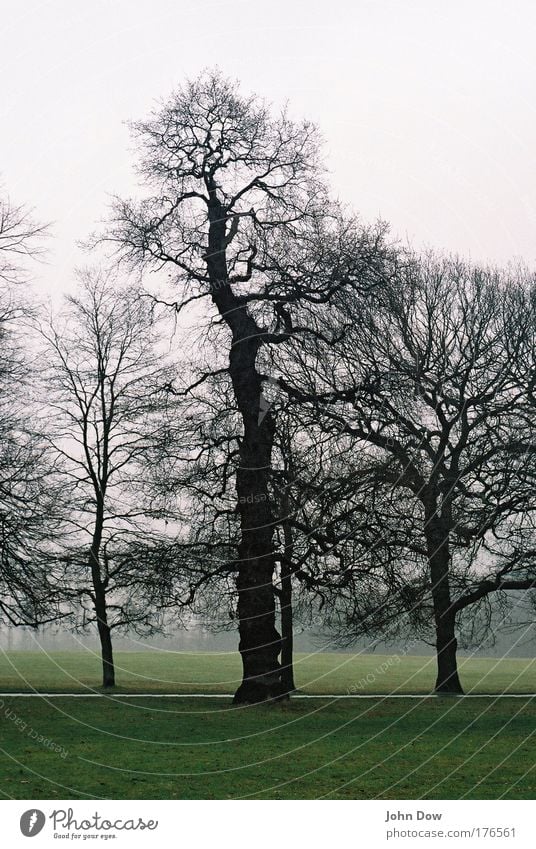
{"type": "Point", "coordinates": [287, 635]}
{"type": "Point", "coordinates": [285, 600]}
{"type": "Point", "coordinates": [99, 589]}
{"type": "Point", "coordinates": [447, 667]}
{"type": "Point", "coordinates": [437, 539]}
{"type": "Point", "coordinates": [260, 643]}
{"type": "Point", "coordinates": [105, 636]}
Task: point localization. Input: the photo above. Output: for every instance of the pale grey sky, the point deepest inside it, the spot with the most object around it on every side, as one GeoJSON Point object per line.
{"type": "Point", "coordinates": [427, 107]}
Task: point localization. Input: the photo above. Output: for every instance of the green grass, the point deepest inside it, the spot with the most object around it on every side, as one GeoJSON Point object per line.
{"type": "Point", "coordinates": [205, 749]}
{"type": "Point", "coordinates": [322, 673]}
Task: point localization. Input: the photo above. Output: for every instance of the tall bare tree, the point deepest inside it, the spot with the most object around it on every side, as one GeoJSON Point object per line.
{"type": "Point", "coordinates": [237, 213]}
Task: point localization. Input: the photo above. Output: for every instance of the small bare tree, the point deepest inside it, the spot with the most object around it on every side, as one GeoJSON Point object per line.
{"type": "Point", "coordinates": [106, 380]}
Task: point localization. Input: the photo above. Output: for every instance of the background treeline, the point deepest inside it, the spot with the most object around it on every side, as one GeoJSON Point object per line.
{"type": "Point", "coordinates": [257, 409]}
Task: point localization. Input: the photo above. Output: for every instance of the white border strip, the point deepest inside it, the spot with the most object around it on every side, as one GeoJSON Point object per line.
{"type": "Point", "coordinates": [114, 696]}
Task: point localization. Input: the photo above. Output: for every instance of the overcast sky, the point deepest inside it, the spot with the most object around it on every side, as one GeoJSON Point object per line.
{"type": "Point", "coordinates": [427, 107]}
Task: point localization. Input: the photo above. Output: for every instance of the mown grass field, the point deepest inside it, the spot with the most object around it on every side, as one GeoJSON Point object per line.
{"type": "Point", "coordinates": [160, 748]}
{"type": "Point", "coordinates": [322, 673]}
{"type": "Point", "coordinates": [205, 749]}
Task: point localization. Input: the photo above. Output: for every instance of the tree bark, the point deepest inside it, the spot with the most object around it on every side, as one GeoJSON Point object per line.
{"type": "Point", "coordinates": [285, 601]}
{"type": "Point", "coordinates": [99, 589]}
{"type": "Point", "coordinates": [260, 643]}
{"type": "Point", "coordinates": [287, 633]}
{"type": "Point", "coordinates": [105, 636]}
{"type": "Point", "coordinates": [437, 540]}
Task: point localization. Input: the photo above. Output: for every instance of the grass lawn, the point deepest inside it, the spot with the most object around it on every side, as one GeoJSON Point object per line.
{"type": "Point", "coordinates": [322, 673]}
{"type": "Point", "coordinates": [206, 749]}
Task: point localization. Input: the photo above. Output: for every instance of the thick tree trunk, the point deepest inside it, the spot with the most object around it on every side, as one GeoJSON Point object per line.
{"type": "Point", "coordinates": [260, 643]}
{"type": "Point", "coordinates": [437, 539]}
{"type": "Point", "coordinates": [448, 681]}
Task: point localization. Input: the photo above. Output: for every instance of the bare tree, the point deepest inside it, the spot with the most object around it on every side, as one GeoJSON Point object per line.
{"type": "Point", "coordinates": [423, 383]}
{"type": "Point", "coordinates": [106, 382]}
{"type": "Point", "coordinates": [28, 494]}
{"type": "Point", "coordinates": [238, 215]}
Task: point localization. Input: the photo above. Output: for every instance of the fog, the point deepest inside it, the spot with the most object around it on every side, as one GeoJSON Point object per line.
{"type": "Point", "coordinates": [426, 108]}
{"type": "Point", "coordinates": [514, 641]}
